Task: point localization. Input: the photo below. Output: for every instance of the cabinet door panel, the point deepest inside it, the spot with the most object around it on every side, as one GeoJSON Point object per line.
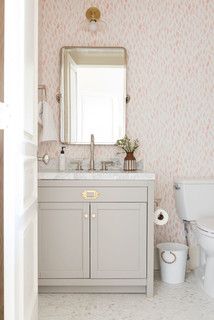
{"type": "Point", "coordinates": [63, 240]}
{"type": "Point", "coordinates": [118, 240]}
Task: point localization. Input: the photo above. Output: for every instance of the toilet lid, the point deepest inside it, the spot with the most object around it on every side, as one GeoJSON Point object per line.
{"type": "Point", "coordinates": [206, 224]}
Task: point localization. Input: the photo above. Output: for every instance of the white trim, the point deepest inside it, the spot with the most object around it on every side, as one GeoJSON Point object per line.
{"type": "Point", "coordinates": [4, 116]}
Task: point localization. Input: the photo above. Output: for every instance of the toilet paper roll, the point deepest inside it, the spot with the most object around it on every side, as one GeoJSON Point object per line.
{"type": "Point", "coordinates": [161, 217]}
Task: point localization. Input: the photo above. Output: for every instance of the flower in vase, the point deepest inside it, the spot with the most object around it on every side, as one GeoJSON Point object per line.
{"type": "Point", "coordinates": [127, 144]}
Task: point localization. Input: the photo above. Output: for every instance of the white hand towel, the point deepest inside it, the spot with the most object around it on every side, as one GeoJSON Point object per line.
{"type": "Point", "coordinates": [48, 132]}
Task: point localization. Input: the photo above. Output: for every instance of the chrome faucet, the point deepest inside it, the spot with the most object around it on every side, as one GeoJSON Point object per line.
{"type": "Point", "coordinates": [91, 165]}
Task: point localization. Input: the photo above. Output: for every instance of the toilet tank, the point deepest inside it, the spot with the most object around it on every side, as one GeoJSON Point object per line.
{"type": "Point", "coordinates": [194, 198]}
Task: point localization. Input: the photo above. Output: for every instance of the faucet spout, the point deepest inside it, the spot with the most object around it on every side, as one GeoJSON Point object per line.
{"type": "Point", "coordinates": [92, 166]}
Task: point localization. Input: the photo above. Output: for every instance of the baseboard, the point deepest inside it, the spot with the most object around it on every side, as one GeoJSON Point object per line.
{"type": "Point", "coordinates": [94, 289]}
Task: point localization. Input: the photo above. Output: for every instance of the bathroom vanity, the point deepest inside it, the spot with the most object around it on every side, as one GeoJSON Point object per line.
{"type": "Point", "coordinates": [96, 232]}
{"type": "Point", "coordinates": [95, 227]}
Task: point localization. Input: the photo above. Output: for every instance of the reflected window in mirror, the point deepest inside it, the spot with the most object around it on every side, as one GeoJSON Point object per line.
{"type": "Point", "coordinates": [93, 89]}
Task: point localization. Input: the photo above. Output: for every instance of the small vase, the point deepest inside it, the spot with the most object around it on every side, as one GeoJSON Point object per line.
{"type": "Point", "coordinates": [130, 162]}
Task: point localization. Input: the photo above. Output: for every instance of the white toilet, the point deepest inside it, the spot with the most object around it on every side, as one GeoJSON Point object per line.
{"type": "Point", "coordinates": [195, 203]}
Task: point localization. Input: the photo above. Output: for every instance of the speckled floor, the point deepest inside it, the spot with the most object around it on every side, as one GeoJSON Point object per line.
{"type": "Point", "coordinates": [181, 302]}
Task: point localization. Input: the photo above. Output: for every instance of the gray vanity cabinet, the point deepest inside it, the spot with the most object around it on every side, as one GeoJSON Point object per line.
{"type": "Point", "coordinates": [63, 240]}
{"type": "Point", "coordinates": [118, 240]}
{"type": "Point", "coordinates": [96, 236]}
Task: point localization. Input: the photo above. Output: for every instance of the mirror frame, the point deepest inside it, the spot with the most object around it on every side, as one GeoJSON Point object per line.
{"type": "Point", "coordinates": [61, 100]}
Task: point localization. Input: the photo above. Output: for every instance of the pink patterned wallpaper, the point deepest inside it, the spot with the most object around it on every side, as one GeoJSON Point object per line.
{"type": "Point", "coordinates": [170, 80]}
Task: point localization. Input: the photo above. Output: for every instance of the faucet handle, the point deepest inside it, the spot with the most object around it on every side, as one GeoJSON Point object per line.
{"type": "Point", "coordinates": [105, 165]}
{"type": "Point", "coordinates": [78, 163]}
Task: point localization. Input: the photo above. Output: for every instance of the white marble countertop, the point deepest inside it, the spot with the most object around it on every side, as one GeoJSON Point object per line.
{"type": "Point", "coordinates": [95, 175]}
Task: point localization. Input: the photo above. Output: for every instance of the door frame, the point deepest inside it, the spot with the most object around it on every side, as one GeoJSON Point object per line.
{"type": "Point", "coordinates": [18, 150]}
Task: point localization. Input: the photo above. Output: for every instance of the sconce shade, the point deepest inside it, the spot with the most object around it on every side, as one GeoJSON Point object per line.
{"type": "Point", "coordinates": [93, 26]}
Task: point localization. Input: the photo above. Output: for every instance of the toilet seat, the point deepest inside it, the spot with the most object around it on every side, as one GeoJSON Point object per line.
{"type": "Point", "coordinates": [206, 225]}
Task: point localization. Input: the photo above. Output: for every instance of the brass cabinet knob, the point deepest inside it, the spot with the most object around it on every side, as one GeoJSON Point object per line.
{"type": "Point", "coordinates": [86, 216]}
{"type": "Point", "coordinates": [93, 215]}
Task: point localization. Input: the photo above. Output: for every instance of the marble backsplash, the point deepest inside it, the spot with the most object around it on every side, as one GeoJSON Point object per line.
{"type": "Point", "coordinates": [71, 164]}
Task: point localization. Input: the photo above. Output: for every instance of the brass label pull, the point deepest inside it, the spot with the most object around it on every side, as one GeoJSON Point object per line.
{"type": "Point", "coordinates": [90, 194]}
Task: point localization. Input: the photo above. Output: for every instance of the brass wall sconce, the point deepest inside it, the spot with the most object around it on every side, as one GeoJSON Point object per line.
{"type": "Point", "coordinates": [93, 16]}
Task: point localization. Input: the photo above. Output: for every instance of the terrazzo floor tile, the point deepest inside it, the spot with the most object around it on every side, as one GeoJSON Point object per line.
{"type": "Point", "coordinates": [181, 302]}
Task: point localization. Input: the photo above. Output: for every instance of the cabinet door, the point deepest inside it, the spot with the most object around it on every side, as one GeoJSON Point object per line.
{"type": "Point", "coordinates": [118, 240]}
{"type": "Point", "coordinates": [64, 240]}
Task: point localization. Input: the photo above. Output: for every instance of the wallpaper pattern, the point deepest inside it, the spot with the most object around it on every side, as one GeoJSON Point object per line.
{"type": "Point", "coordinates": [170, 80]}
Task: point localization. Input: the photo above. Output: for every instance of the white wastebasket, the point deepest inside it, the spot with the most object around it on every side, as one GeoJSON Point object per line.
{"type": "Point", "coordinates": [173, 258]}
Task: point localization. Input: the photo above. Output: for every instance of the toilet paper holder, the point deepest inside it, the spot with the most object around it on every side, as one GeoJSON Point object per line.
{"type": "Point", "coordinates": [161, 216]}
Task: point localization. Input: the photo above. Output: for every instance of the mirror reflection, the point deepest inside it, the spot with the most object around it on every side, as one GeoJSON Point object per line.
{"type": "Point", "coordinates": [93, 88]}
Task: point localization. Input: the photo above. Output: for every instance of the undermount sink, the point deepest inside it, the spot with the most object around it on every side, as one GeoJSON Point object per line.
{"type": "Point", "coordinates": [96, 175]}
